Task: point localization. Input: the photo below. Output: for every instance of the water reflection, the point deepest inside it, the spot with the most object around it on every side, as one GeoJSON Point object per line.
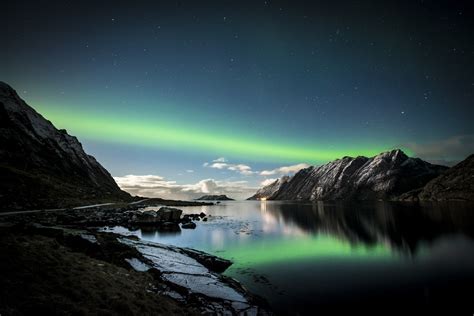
{"type": "Point", "coordinates": [403, 226]}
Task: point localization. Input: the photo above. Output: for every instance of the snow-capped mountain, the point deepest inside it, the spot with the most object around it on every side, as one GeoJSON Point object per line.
{"type": "Point", "coordinates": [384, 176]}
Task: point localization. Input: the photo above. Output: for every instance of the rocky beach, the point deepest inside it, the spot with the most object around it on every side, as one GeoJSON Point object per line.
{"type": "Point", "coordinates": [74, 252]}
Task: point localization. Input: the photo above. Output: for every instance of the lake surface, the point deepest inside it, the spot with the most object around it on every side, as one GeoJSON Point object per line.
{"type": "Point", "coordinates": [307, 258]}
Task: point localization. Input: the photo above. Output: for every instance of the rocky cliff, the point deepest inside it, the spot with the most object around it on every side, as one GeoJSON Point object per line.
{"type": "Point", "coordinates": [41, 166]}
{"type": "Point", "coordinates": [268, 191]}
{"type": "Point", "coordinates": [384, 176]}
{"type": "Point", "coordinates": [457, 183]}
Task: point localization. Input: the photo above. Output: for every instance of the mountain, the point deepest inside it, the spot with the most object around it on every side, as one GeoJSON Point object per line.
{"type": "Point", "coordinates": [384, 177]}
{"type": "Point", "coordinates": [457, 183]}
{"type": "Point", "coordinates": [268, 191]}
{"type": "Point", "coordinates": [214, 198]}
{"type": "Point", "coordinates": [43, 167]}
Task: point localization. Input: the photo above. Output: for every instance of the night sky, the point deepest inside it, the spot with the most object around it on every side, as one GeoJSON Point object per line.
{"type": "Point", "coordinates": [196, 96]}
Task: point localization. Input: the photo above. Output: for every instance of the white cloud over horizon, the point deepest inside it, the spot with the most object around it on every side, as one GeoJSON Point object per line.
{"type": "Point", "coordinates": [157, 186]}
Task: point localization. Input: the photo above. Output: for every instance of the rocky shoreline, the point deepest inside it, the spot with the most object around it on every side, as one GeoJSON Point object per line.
{"type": "Point", "coordinates": [186, 278]}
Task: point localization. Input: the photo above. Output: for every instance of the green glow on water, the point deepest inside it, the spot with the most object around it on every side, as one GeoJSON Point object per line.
{"type": "Point", "coordinates": [317, 247]}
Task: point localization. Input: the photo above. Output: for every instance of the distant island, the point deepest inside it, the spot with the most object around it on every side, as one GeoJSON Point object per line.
{"type": "Point", "coordinates": [221, 197]}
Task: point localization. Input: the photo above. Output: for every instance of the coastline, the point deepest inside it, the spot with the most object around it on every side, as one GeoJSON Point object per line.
{"type": "Point", "coordinates": [181, 280]}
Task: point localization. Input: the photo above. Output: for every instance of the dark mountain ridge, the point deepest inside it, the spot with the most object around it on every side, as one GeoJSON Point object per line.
{"type": "Point", "coordinates": [43, 167]}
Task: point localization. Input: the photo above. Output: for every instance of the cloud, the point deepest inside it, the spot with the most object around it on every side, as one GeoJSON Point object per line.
{"type": "Point", "coordinates": [220, 159]}
{"type": "Point", "coordinates": [189, 171]}
{"type": "Point", "coordinates": [447, 151]}
{"type": "Point", "coordinates": [221, 163]}
{"type": "Point", "coordinates": [268, 181]}
{"type": "Point", "coordinates": [218, 165]}
{"type": "Point", "coordinates": [284, 170]}
{"type": "Point", "coordinates": [242, 169]}
{"type": "Point", "coordinates": [157, 186]}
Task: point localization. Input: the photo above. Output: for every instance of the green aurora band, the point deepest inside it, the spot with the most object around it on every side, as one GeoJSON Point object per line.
{"type": "Point", "coordinates": [168, 134]}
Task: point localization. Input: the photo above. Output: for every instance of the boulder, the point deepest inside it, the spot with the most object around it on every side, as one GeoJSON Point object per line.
{"type": "Point", "coordinates": [170, 214]}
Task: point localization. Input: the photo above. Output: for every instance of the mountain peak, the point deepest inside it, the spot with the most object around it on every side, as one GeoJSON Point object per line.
{"type": "Point", "coordinates": [383, 176]}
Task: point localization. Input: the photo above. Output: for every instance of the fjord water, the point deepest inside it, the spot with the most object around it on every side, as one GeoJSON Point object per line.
{"type": "Point", "coordinates": [307, 257]}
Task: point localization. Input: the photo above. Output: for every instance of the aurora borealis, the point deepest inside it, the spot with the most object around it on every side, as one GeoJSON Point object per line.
{"type": "Point", "coordinates": [165, 88]}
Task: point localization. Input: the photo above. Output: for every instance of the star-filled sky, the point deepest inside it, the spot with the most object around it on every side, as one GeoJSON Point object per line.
{"type": "Point", "coordinates": [177, 98]}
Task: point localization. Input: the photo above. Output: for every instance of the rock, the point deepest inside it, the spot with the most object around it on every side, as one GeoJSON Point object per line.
{"type": "Point", "coordinates": [211, 262]}
{"type": "Point", "coordinates": [185, 219]}
{"type": "Point", "coordinates": [147, 218]}
{"type": "Point", "coordinates": [384, 177]}
{"type": "Point", "coordinates": [189, 225]}
{"type": "Point", "coordinates": [169, 214]}
{"type": "Point", "coordinates": [191, 272]}
{"type": "Point", "coordinates": [204, 219]}
{"type": "Point", "coordinates": [202, 214]}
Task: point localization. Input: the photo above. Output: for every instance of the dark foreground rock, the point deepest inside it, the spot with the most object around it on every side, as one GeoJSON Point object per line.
{"type": "Point", "coordinates": [58, 270]}
{"type": "Point", "coordinates": [46, 275]}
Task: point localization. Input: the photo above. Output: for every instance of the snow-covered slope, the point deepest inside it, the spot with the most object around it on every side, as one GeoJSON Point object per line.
{"type": "Point", "coordinates": [40, 163]}
{"type": "Point", "coordinates": [268, 191]}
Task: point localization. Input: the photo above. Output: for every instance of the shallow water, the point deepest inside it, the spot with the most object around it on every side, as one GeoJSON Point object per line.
{"type": "Point", "coordinates": [307, 257]}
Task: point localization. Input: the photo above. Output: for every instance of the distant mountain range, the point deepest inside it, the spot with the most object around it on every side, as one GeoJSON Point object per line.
{"type": "Point", "coordinates": [388, 176]}
{"type": "Point", "coordinates": [43, 167]}
{"type": "Point", "coordinates": [214, 198]}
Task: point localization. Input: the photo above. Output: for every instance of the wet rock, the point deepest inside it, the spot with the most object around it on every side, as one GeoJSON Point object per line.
{"type": "Point", "coordinates": [202, 214]}
{"type": "Point", "coordinates": [186, 219]}
{"type": "Point", "coordinates": [211, 262]}
{"type": "Point", "coordinates": [137, 264]}
{"type": "Point", "coordinates": [189, 225]}
{"type": "Point", "coordinates": [184, 271]}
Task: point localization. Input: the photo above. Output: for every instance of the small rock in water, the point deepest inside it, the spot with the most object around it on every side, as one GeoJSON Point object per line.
{"type": "Point", "coordinates": [204, 219]}
{"type": "Point", "coordinates": [202, 214]}
{"type": "Point", "coordinates": [189, 225]}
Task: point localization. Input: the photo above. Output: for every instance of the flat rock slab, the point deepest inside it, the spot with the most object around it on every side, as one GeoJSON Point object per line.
{"type": "Point", "coordinates": [178, 268]}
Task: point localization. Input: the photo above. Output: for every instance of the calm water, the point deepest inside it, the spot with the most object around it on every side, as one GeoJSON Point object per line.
{"type": "Point", "coordinates": [308, 257]}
